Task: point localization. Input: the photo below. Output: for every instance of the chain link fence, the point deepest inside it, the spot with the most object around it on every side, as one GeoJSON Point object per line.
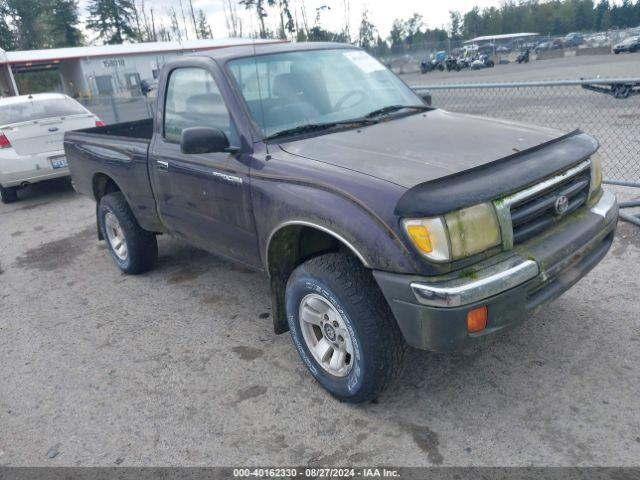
{"type": "Point", "coordinates": [607, 109]}
{"type": "Point", "coordinates": [406, 58]}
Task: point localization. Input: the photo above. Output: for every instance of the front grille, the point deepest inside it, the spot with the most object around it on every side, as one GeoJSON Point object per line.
{"type": "Point", "coordinates": [535, 214]}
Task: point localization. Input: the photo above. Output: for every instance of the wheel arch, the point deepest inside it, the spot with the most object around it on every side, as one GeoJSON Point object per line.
{"type": "Point", "coordinates": [292, 243]}
{"type": "Point", "coordinates": [102, 184]}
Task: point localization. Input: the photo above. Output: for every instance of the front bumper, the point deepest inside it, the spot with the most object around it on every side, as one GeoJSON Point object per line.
{"type": "Point", "coordinates": [432, 313]}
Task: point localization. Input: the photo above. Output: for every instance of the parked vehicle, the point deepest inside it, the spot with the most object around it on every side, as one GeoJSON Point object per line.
{"type": "Point", "coordinates": [452, 64]}
{"type": "Point", "coordinates": [631, 44]}
{"type": "Point", "coordinates": [482, 61]}
{"type": "Point", "coordinates": [427, 66]}
{"type": "Point", "coordinates": [376, 222]}
{"type": "Point", "coordinates": [573, 39]}
{"type": "Point", "coordinates": [548, 45]}
{"type": "Point", "coordinates": [31, 132]}
{"type": "Point", "coordinates": [463, 63]}
{"type": "Point", "coordinates": [523, 57]}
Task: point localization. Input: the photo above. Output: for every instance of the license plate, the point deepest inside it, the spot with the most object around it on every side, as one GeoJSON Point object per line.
{"type": "Point", "coordinates": [58, 162]}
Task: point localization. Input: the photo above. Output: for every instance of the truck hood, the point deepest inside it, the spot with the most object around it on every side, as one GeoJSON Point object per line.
{"type": "Point", "coordinates": [423, 147]}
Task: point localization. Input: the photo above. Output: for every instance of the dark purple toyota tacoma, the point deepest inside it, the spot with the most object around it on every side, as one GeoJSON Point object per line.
{"type": "Point", "coordinates": [378, 220]}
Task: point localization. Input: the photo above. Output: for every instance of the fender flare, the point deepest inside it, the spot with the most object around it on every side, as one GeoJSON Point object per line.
{"type": "Point", "coordinates": [306, 223]}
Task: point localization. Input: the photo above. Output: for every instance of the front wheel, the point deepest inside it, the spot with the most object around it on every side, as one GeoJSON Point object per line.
{"type": "Point", "coordinates": [133, 249]}
{"type": "Point", "coordinates": [343, 328]}
{"type": "Point", "coordinates": [9, 194]}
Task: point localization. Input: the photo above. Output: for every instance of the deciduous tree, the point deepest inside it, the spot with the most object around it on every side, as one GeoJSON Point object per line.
{"type": "Point", "coordinates": [366, 33]}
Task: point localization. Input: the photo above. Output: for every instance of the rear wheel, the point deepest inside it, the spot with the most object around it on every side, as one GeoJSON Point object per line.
{"type": "Point", "coordinates": [343, 328]}
{"type": "Point", "coordinates": [8, 194]}
{"type": "Point", "coordinates": [133, 249]}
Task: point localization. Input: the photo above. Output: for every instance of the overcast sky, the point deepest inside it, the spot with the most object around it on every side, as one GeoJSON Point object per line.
{"type": "Point", "coordinates": [382, 12]}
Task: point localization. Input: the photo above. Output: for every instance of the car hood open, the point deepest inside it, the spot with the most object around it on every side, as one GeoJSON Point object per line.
{"type": "Point", "coordinates": [419, 148]}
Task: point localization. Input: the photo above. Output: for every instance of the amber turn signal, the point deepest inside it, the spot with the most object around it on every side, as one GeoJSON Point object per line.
{"type": "Point", "coordinates": [420, 236]}
{"type": "Point", "coordinates": [477, 319]}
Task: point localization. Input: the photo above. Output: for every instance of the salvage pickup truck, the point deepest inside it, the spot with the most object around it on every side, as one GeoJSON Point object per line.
{"type": "Point", "coordinates": [378, 220]}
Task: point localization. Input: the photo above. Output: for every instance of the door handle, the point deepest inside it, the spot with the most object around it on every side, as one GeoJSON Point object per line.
{"type": "Point", "coordinates": [162, 165]}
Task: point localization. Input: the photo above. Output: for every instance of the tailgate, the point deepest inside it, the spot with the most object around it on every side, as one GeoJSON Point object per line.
{"type": "Point", "coordinates": [44, 135]}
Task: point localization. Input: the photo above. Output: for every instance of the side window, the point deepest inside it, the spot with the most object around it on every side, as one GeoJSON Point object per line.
{"type": "Point", "coordinates": [194, 100]}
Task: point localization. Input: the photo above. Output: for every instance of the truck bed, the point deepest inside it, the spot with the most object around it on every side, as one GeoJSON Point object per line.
{"type": "Point", "coordinates": [138, 129]}
{"type": "Point", "coordinates": [117, 152]}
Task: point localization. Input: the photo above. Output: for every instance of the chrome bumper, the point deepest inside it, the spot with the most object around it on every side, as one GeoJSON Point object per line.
{"type": "Point", "coordinates": [497, 278]}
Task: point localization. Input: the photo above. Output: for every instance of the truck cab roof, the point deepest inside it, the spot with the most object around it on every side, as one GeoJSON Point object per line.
{"type": "Point", "coordinates": [224, 55]}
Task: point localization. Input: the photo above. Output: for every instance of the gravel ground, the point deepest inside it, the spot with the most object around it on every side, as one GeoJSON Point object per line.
{"type": "Point", "coordinates": [181, 367]}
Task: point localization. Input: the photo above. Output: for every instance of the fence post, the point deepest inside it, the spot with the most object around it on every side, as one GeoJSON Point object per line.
{"type": "Point", "coordinates": [114, 107]}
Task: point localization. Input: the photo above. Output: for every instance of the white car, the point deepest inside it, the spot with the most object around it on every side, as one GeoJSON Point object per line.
{"type": "Point", "coordinates": [31, 135]}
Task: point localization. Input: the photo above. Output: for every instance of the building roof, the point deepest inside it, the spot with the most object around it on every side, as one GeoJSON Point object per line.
{"type": "Point", "coordinates": [504, 36]}
{"type": "Point", "coordinates": [58, 54]}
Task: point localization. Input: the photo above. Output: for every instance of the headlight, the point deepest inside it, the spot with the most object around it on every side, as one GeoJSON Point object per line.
{"type": "Point", "coordinates": [429, 235]}
{"type": "Point", "coordinates": [596, 175]}
{"type": "Point", "coordinates": [458, 235]}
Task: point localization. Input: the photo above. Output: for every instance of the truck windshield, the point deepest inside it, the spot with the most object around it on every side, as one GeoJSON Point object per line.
{"type": "Point", "coordinates": [284, 91]}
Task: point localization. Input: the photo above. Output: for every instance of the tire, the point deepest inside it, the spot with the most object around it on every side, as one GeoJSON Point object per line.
{"type": "Point", "coordinates": [360, 313]}
{"type": "Point", "coordinates": [140, 252]}
{"type": "Point", "coordinates": [8, 194]}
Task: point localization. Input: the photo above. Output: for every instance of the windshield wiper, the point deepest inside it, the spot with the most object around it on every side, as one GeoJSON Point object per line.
{"type": "Point", "coordinates": [315, 127]}
{"type": "Point", "coordinates": [395, 108]}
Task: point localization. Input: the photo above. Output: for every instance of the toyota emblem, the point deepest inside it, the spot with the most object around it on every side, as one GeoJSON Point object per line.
{"type": "Point", "coordinates": [561, 205]}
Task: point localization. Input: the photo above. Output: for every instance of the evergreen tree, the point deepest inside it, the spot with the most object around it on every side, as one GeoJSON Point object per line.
{"type": "Point", "coordinates": [112, 20]}
{"type": "Point", "coordinates": [472, 23]}
{"type": "Point", "coordinates": [203, 28]}
{"type": "Point", "coordinates": [397, 34]}
{"type": "Point", "coordinates": [7, 39]}
{"type": "Point", "coordinates": [603, 16]}
{"type": "Point", "coordinates": [63, 21]}
{"type": "Point", "coordinates": [456, 24]}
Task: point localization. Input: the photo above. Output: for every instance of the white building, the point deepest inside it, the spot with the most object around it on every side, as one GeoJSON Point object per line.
{"type": "Point", "coordinates": [109, 70]}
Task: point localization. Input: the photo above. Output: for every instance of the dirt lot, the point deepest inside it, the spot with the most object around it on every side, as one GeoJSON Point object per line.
{"type": "Point", "coordinates": [569, 68]}
{"type": "Point", "coordinates": [180, 367]}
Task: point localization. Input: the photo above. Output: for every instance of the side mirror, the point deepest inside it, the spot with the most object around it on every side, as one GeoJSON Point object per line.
{"type": "Point", "coordinates": [204, 140]}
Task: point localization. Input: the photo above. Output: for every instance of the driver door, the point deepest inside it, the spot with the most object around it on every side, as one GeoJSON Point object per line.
{"type": "Point", "coordinates": [203, 198]}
